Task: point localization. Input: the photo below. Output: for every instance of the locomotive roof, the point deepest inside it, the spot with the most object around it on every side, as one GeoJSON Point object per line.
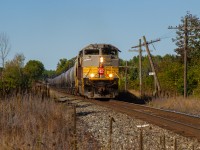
{"type": "Point", "coordinates": [99, 46]}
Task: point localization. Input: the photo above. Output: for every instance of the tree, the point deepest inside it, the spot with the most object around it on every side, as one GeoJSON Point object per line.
{"type": "Point", "coordinates": [193, 49]}
{"type": "Point", "coordinates": [4, 47]}
{"type": "Point", "coordinates": [34, 70]}
{"type": "Point", "coordinates": [170, 74]}
{"type": "Point", "coordinates": [12, 74]}
{"type": "Point", "coordinates": [64, 65]}
{"type": "Point", "coordinates": [49, 74]}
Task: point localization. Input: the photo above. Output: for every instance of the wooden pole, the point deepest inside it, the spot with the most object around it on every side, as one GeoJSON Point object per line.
{"type": "Point", "coordinates": [152, 65]}
{"type": "Point", "coordinates": [111, 128]}
{"type": "Point", "coordinates": [75, 140]}
{"type": "Point", "coordinates": [185, 58]}
{"type": "Point", "coordinates": [125, 88]}
{"type": "Point", "coordinates": [140, 66]}
{"type": "Point", "coordinates": [141, 140]}
{"type": "Point", "coordinates": [175, 144]}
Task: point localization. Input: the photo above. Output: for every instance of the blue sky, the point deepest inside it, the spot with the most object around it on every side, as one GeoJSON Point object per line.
{"type": "Point", "coordinates": [48, 30]}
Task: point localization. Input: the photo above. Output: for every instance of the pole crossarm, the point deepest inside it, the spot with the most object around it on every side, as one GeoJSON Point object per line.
{"type": "Point", "coordinates": [132, 50]}
{"type": "Point", "coordinates": [150, 42]}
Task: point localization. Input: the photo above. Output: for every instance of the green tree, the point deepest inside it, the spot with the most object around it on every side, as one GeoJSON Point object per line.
{"type": "Point", "coordinates": [49, 74]}
{"type": "Point", "coordinates": [170, 72]}
{"type": "Point", "coordinates": [194, 76]}
{"type": "Point", "coordinates": [34, 70]}
{"type": "Point", "coordinates": [193, 49]}
{"type": "Point", "coordinates": [64, 65]}
{"type": "Point", "coordinates": [12, 75]}
{"type": "Point", "coordinates": [193, 52]}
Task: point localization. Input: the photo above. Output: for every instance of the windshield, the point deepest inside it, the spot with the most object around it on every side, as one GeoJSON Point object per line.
{"type": "Point", "coordinates": [91, 52]}
{"type": "Point", "coordinates": [107, 51]}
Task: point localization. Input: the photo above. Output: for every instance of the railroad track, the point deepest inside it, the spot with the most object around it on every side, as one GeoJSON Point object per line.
{"type": "Point", "coordinates": [186, 125]}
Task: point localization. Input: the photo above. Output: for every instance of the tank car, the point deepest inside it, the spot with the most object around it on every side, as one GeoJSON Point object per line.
{"type": "Point", "coordinates": [95, 73]}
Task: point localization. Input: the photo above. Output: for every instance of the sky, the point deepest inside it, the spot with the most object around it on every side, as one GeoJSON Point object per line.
{"type": "Point", "coordinates": [49, 30]}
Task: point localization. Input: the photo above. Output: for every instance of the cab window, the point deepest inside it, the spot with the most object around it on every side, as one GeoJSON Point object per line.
{"type": "Point", "coordinates": [107, 51]}
{"type": "Point", "coordinates": [91, 52]}
{"type": "Point", "coordinates": [81, 53]}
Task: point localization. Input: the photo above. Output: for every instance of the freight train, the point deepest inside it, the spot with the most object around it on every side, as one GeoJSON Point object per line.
{"type": "Point", "coordinates": [95, 73]}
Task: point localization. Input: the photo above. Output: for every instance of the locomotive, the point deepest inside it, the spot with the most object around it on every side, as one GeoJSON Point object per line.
{"type": "Point", "coordinates": [95, 73]}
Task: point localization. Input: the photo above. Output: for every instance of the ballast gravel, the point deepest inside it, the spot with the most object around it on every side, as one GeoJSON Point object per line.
{"type": "Point", "coordinates": [117, 131]}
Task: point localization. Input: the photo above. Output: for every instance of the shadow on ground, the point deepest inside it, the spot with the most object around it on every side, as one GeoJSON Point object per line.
{"type": "Point", "coordinates": [81, 114]}
{"type": "Point", "coordinates": [126, 96]}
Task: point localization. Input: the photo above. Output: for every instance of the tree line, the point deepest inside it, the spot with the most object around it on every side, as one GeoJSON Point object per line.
{"type": "Point", "coordinates": [170, 74]}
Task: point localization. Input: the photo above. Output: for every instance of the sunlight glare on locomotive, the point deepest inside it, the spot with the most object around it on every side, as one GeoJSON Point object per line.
{"type": "Point", "coordinates": [101, 59]}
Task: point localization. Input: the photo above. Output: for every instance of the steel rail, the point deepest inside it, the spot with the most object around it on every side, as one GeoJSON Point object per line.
{"type": "Point", "coordinates": [191, 118]}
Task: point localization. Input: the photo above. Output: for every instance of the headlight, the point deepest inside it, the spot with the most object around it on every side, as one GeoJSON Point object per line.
{"type": "Point", "coordinates": [110, 75]}
{"type": "Point", "coordinates": [101, 59]}
{"type": "Point", "coordinates": [92, 75]}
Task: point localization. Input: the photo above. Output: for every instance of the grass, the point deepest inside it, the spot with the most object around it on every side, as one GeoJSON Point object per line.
{"type": "Point", "coordinates": [189, 105]}
{"type": "Point", "coordinates": [32, 123]}
{"type": "Point", "coordinates": [35, 122]}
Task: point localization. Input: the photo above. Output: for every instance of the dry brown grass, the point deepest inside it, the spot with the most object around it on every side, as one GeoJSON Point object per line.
{"type": "Point", "coordinates": [33, 123]}
{"type": "Point", "coordinates": [189, 105]}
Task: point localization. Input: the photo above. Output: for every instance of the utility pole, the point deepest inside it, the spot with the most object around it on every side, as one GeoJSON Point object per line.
{"type": "Point", "coordinates": [140, 65]}
{"type": "Point", "coordinates": [185, 58]}
{"type": "Point", "coordinates": [185, 53]}
{"type": "Point", "coordinates": [157, 84]}
{"type": "Point", "coordinates": [152, 65]}
{"type": "Point", "coordinates": [126, 77]}
{"type": "Point", "coordinates": [185, 28]}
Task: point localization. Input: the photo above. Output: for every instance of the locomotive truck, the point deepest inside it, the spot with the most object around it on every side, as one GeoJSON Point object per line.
{"type": "Point", "coordinates": [95, 73]}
